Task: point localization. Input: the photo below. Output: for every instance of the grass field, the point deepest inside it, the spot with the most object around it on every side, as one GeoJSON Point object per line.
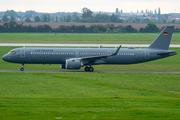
{"type": "Point", "coordinates": [167, 64]}
{"type": "Point", "coordinates": [84, 96]}
{"type": "Point", "coordinates": [123, 38]}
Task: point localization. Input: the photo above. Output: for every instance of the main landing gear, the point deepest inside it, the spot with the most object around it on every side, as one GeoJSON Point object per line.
{"type": "Point", "coordinates": [22, 68]}
{"type": "Point", "coordinates": [89, 69]}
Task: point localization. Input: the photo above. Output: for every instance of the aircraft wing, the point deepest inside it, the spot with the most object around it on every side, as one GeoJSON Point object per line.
{"type": "Point", "coordinates": [94, 58]}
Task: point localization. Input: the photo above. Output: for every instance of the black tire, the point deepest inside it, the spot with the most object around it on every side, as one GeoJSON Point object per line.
{"type": "Point", "coordinates": [86, 69]}
{"type": "Point", "coordinates": [91, 69]}
{"type": "Point", "coordinates": [22, 69]}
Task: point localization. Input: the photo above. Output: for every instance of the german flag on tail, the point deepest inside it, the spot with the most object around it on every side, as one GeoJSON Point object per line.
{"type": "Point", "coordinates": [165, 33]}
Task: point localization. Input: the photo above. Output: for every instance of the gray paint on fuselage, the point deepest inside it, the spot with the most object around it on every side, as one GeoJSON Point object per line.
{"type": "Point", "coordinates": [60, 55]}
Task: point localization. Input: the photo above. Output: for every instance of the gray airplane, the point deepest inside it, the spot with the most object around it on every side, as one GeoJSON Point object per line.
{"type": "Point", "coordinates": [74, 58]}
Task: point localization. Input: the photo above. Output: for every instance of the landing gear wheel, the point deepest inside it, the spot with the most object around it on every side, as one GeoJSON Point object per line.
{"type": "Point", "coordinates": [91, 69]}
{"type": "Point", "coordinates": [86, 69]}
{"type": "Point", "coordinates": [22, 69]}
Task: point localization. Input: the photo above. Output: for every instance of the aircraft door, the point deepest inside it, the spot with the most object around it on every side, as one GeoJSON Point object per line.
{"type": "Point", "coordinates": [77, 53]}
{"type": "Point", "coordinates": [109, 53]}
{"type": "Point", "coordinates": [146, 54]}
{"type": "Point", "coordinates": [22, 53]}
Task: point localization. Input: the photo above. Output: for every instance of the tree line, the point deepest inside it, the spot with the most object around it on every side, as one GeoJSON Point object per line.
{"type": "Point", "coordinates": [103, 18]}
{"type": "Point", "coordinates": [87, 16]}
{"type": "Point", "coordinates": [27, 19]}
{"type": "Point", "coordinates": [95, 28]}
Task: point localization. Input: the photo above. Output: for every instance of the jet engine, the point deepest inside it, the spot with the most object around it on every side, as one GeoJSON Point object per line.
{"type": "Point", "coordinates": [72, 64]}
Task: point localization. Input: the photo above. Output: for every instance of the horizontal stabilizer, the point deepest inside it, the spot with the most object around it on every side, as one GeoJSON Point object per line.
{"type": "Point", "coordinates": [167, 53]}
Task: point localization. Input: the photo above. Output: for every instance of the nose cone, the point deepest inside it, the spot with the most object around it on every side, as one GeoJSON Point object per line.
{"type": "Point", "coordinates": [4, 57]}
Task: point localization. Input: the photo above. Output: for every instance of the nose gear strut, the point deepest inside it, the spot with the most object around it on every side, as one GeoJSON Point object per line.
{"type": "Point", "coordinates": [22, 68]}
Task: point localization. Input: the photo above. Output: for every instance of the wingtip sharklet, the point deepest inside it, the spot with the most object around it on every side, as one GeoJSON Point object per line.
{"type": "Point", "coordinates": [115, 53]}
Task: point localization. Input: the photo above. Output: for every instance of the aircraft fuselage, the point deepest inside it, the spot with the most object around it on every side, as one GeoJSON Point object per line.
{"type": "Point", "coordinates": [60, 55]}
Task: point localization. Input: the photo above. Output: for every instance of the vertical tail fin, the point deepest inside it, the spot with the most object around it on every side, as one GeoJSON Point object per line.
{"type": "Point", "coordinates": [163, 40]}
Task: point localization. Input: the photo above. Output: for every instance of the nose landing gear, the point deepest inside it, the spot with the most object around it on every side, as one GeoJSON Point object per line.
{"type": "Point", "coordinates": [22, 68]}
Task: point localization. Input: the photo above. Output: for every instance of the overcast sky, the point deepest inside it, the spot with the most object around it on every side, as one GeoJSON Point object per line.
{"type": "Point", "coordinates": [52, 6]}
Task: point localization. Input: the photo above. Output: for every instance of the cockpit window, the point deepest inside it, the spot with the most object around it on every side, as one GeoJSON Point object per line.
{"type": "Point", "coordinates": [13, 52]}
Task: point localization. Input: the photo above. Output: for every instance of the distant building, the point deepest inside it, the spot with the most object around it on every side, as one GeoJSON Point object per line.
{"type": "Point", "coordinates": [18, 19]}
{"type": "Point", "coordinates": [159, 11]}
{"type": "Point", "coordinates": [165, 16]}
{"type": "Point", "coordinates": [159, 14]}
{"type": "Point", "coordinates": [32, 18]}
{"type": "Point", "coordinates": [155, 12]}
{"type": "Point", "coordinates": [117, 10]}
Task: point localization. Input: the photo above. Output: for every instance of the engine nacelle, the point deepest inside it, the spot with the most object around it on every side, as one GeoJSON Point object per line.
{"type": "Point", "coordinates": [63, 66]}
{"type": "Point", "coordinates": [73, 64]}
